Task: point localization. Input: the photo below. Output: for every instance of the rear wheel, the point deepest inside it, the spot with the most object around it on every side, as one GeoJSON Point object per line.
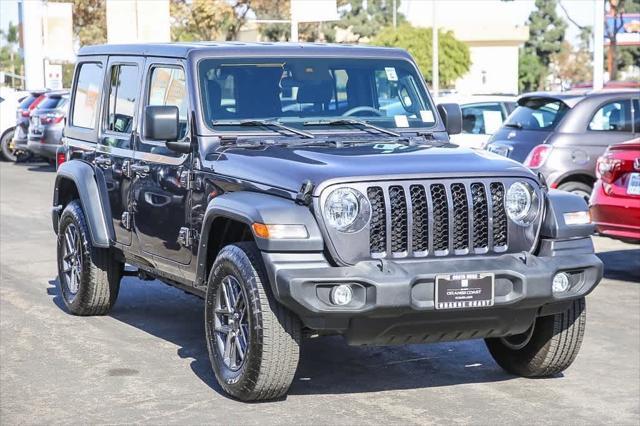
{"type": "Point", "coordinates": [253, 341]}
{"type": "Point", "coordinates": [7, 149]}
{"type": "Point", "coordinates": [547, 348]}
{"type": "Point", "coordinates": [578, 188]}
{"type": "Point", "coordinates": [88, 276]}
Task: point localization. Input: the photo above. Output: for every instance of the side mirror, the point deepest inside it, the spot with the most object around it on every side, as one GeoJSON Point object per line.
{"type": "Point", "coordinates": [161, 123]}
{"type": "Point", "coordinates": [452, 117]}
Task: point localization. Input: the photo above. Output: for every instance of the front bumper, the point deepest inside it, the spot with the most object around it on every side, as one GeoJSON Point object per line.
{"type": "Point", "coordinates": [394, 302]}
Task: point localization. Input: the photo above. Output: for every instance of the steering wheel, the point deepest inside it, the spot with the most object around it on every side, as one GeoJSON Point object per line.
{"type": "Point", "coordinates": [358, 109]}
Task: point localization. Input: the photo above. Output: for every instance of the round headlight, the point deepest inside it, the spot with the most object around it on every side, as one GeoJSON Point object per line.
{"type": "Point", "coordinates": [520, 203]}
{"type": "Point", "coordinates": [346, 210]}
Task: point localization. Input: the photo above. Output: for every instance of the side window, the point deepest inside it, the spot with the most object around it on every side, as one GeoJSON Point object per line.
{"type": "Point", "coordinates": [86, 98]}
{"type": "Point", "coordinates": [636, 115]}
{"type": "Point", "coordinates": [123, 91]}
{"type": "Point", "coordinates": [613, 117]}
{"type": "Point", "coordinates": [482, 119]}
{"type": "Point", "coordinates": [167, 86]}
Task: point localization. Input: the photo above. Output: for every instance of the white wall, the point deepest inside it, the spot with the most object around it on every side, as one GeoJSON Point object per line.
{"type": "Point", "coordinates": [138, 21]}
{"type": "Point", "coordinates": [494, 69]}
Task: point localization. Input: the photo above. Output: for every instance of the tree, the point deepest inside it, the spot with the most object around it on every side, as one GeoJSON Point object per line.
{"type": "Point", "coordinates": [546, 34]}
{"type": "Point", "coordinates": [572, 66]}
{"type": "Point", "coordinates": [89, 21]}
{"type": "Point", "coordinates": [10, 60]}
{"type": "Point", "coordinates": [366, 18]}
{"type": "Point", "coordinates": [454, 59]}
{"type": "Point", "coordinates": [617, 8]}
{"type": "Point", "coordinates": [200, 20]}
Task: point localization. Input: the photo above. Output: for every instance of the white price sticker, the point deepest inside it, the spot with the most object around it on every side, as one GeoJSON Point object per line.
{"type": "Point", "coordinates": [427, 116]}
{"type": "Point", "coordinates": [401, 121]}
{"type": "Point", "coordinates": [391, 73]}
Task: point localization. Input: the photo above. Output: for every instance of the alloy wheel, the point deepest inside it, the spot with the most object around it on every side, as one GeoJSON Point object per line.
{"type": "Point", "coordinates": [231, 323]}
{"type": "Point", "coordinates": [72, 258]}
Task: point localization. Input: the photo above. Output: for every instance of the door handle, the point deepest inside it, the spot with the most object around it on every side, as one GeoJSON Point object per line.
{"type": "Point", "coordinates": [102, 161]}
{"type": "Point", "coordinates": [140, 169]}
{"type": "Point", "coordinates": [156, 200]}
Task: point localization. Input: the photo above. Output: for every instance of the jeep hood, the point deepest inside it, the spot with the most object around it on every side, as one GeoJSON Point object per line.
{"type": "Point", "coordinates": [288, 167]}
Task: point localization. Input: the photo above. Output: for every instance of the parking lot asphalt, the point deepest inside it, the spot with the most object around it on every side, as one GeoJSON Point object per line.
{"type": "Point", "coordinates": [146, 362]}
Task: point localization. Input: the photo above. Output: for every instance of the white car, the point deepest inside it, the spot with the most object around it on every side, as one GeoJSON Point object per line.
{"type": "Point", "coordinates": [482, 115]}
{"type": "Point", "coordinates": [9, 101]}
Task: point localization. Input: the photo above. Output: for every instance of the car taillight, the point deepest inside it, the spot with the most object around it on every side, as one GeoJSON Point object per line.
{"type": "Point", "coordinates": [24, 112]}
{"type": "Point", "coordinates": [609, 168]}
{"type": "Point", "coordinates": [61, 157]}
{"type": "Point", "coordinates": [51, 118]}
{"type": "Point", "coordinates": [538, 156]}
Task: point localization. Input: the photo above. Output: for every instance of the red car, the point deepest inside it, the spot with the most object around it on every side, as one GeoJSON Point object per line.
{"type": "Point", "coordinates": [615, 200]}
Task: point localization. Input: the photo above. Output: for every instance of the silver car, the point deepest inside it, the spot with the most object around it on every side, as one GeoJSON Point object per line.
{"type": "Point", "coordinates": [561, 135]}
{"type": "Point", "coordinates": [47, 123]}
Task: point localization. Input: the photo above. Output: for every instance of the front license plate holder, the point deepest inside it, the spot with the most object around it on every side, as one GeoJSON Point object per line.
{"type": "Point", "coordinates": [460, 291]}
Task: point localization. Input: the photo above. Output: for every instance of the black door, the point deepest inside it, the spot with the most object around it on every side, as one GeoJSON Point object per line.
{"type": "Point", "coordinates": [114, 154]}
{"type": "Point", "coordinates": [161, 199]}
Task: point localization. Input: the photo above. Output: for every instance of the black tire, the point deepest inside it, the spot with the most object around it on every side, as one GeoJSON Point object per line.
{"type": "Point", "coordinates": [578, 188]}
{"type": "Point", "coordinates": [5, 147]}
{"type": "Point", "coordinates": [273, 345]}
{"type": "Point", "coordinates": [97, 282]}
{"type": "Point", "coordinates": [548, 349]}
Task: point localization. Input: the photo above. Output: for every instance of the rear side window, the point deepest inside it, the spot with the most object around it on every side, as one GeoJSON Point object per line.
{"type": "Point", "coordinates": [537, 114]}
{"type": "Point", "coordinates": [51, 103]}
{"type": "Point", "coordinates": [482, 119]}
{"type": "Point", "coordinates": [24, 104]}
{"type": "Point", "coordinates": [87, 95]}
{"type": "Point", "coordinates": [123, 92]}
{"type": "Point", "coordinates": [614, 116]}
{"type": "Point", "coordinates": [168, 87]}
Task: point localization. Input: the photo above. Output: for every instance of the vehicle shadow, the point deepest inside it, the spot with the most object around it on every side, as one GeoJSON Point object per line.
{"type": "Point", "coordinates": [621, 265]}
{"type": "Point", "coordinates": [35, 166]}
{"type": "Point", "coordinates": [327, 364]}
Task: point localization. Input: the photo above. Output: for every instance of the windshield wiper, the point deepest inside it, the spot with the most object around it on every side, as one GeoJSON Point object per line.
{"type": "Point", "coordinates": [262, 123]}
{"type": "Point", "coordinates": [514, 125]}
{"type": "Point", "coordinates": [351, 121]}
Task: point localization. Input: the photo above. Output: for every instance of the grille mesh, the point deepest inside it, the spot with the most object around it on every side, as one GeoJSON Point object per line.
{"type": "Point", "coordinates": [420, 216]}
{"type": "Point", "coordinates": [398, 219]}
{"type": "Point", "coordinates": [499, 215]}
{"type": "Point", "coordinates": [480, 216]}
{"type": "Point", "coordinates": [377, 228]}
{"type": "Point", "coordinates": [440, 217]}
{"type": "Point", "coordinates": [460, 217]}
{"type": "Point", "coordinates": [448, 217]}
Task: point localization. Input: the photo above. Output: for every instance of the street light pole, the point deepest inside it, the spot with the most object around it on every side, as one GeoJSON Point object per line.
{"type": "Point", "coordinates": [435, 84]}
{"type": "Point", "coordinates": [598, 44]}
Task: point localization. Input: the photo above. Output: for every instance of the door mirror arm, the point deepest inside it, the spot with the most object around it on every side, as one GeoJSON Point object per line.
{"type": "Point", "coordinates": [182, 147]}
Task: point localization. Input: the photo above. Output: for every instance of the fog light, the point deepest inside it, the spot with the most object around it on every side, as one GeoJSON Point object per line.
{"type": "Point", "coordinates": [341, 295]}
{"type": "Point", "coordinates": [560, 282]}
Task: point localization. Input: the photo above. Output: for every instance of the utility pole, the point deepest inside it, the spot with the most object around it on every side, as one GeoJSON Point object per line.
{"type": "Point", "coordinates": [395, 14]}
{"type": "Point", "coordinates": [598, 44]}
{"type": "Point", "coordinates": [435, 84]}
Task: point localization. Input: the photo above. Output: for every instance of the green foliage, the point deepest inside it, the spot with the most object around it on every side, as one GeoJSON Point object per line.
{"type": "Point", "coordinates": [10, 60]}
{"type": "Point", "coordinates": [365, 19]}
{"type": "Point", "coordinates": [454, 59]}
{"type": "Point", "coordinates": [546, 34]}
{"type": "Point", "coordinates": [200, 20]}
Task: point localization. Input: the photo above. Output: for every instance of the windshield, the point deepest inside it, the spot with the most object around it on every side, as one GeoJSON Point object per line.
{"type": "Point", "coordinates": [537, 114]}
{"type": "Point", "coordinates": [295, 91]}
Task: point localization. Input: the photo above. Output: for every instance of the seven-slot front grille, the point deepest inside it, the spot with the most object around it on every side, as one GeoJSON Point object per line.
{"type": "Point", "coordinates": [436, 219]}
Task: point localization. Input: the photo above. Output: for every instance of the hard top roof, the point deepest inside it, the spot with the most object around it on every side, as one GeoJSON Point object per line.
{"type": "Point", "coordinates": [183, 50]}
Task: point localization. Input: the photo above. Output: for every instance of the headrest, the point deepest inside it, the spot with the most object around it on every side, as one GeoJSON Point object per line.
{"type": "Point", "coordinates": [214, 96]}
{"type": "Point", "coordinates": [314, 92]}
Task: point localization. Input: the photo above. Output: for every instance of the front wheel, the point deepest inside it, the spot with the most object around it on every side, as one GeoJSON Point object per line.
{"type": "Point", "coordinates": [7, 148]}
{"type": "Point", "coordinates": [581, 189]}
{"type": "Point", "coordinates": [253, 341]}
{"type": "Point", "coordinates": [547, 348]}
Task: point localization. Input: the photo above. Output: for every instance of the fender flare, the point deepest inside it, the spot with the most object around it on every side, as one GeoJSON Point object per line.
{"type": "Point", "coordinates": [95, 211]}
{"type": "Point", "coordinates": [254, 207]}
{"type": "Point", "coordinates": [557, 204]}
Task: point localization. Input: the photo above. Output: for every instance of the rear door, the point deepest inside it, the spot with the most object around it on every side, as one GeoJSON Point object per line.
{"type": "Point", "coordinates": [161, 197]}
{"type": "Point", "coordinates": [114, 154]}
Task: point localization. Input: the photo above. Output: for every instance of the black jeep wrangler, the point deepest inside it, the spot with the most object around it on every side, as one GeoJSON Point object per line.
{"type": "Point", "coordinates": [307, 190]}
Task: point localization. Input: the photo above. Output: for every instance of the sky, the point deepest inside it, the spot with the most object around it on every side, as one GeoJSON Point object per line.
{"type": "Point", "coordinates": [514, 12]}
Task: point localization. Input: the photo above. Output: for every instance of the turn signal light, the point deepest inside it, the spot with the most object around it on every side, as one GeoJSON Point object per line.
{"type": "Point", "coordinates": [61, 157]}
{"type": "Point", "coordinates": [280, 232]}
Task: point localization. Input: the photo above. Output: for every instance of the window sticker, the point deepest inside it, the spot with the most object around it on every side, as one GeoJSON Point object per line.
{"type": "Point", "coordinates": [427, 116]}
{"type": "Point", "coordinates": [391, 73]}
{"type": "Point", "coordinates": [401, 121]}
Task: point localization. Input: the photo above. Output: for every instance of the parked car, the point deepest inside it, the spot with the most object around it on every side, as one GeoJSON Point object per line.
{"type": "Point", "coordinates": [47, 122]}
{"type": "Point", "coordinates": [482, 116]}
{"type": "Point", "coordinates": [561, 135]}
{"type": "Point", "coordinates": [321, 218]}
{"type": "Point", "coordinates": [615, 200]}
{"type": "Point", "coordinates": [9, 101]}
{"type": "Point", "coordinates": [21, 135]}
